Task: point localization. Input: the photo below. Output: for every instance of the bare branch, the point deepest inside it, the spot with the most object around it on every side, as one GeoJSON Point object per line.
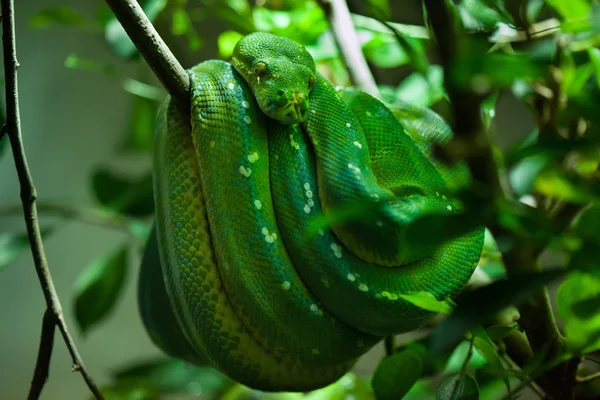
{"type": "Point", "coordinates": [28, 198]}
{"type": "Point", "coordinates": [588, 378]}
{"type": "Point", "coordinates": [348, 45]}
{"type": "Point", "coordinates": [154, 50]}
{"type": "Point", "coordinates": [42, 366]}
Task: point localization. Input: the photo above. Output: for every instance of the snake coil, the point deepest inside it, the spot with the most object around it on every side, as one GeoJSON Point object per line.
{"type": "Point", "coordinates": [231, 278]}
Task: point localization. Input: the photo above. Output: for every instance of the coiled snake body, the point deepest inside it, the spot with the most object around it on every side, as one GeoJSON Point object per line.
{"type": "Point", "coordinates": [240, 284]}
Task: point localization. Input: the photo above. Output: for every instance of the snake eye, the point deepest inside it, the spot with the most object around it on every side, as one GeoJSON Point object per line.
{"type": "Point", "coordinates": [311, 82]}
{"type": "Point", "coordinates": [260, 68]}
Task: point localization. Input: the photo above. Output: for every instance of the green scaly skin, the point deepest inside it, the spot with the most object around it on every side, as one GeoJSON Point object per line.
{"type": "Point", "coordinates": [271, 145]}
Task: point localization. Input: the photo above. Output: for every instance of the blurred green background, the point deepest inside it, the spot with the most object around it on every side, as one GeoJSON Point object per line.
{"type": "Point", "coordinates": [75, 120]}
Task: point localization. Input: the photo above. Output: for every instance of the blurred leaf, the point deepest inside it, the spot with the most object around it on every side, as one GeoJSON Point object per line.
{"type": "Point", "coordinates": [181, 25]}
{"type": "Point", "coordinates": [571, 9]}
{"type": "Point", "coordinates": [588, 221]}
{"type": "Point", "coordinates": [578, 303]}
{"type": "Point", "coordinates": [419, 90]}
{"type": "Point", "coordinates": [13, 244]}
{"type": "Point", "coordinates": [303, 24]}
{"type": "Point", "coordinates": [227, 41]}
{"type": "Point", "coordinates": [488, 108]}
{"type": "Point", "coordinates": [75, 62]}
{"type": "Point", "coordinates": [396, 374]}
{"type": "Point", "coordinates": [456, 360]}
{"type": "Point", "coordinates": [142, 125]}
{"type": "Point", "coordinates": [142, 89]}
{"type": "Point", "coordinates": [484, 344]}
{"type": "Point", "coordinates": [499, 332]}
{"type": "Point", "coordinates": [476, 306]}
{"type": "Point", "coordinates": [129, 196]}
{"type": "Point", "coordinates": [427, 301]}
{"type": "Point", "coordinates": [458, 387]}
{"type": "Point", "coordinates": [116, 36]}
{"type": "Point", "coordinates": [98, 287]}
{"type": "Point", "coordinates": [523, 175]}
{"type": "Point", "coordinates": [384, 51]}
{"type": "Point", "coordinates": [594, 54]}
{"type": "Point", "coordinates": [53, 16]}
{"type": "Point", "coordinates": [170, 376]}
{"type": "Point", "coordinates": [555, 183]}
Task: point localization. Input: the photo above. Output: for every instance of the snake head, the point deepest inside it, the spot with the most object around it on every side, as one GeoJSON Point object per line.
{"type": "Point", "coordinates": [280, 73]}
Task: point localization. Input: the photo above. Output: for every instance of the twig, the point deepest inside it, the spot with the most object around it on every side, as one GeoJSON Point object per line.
{"type": "Point", "coordinates": [587, 378]}
{"type": "Point", "coordinates": [390, 345]}
{"type": "Point", "coordinates": [348, 45]}
{"type": "Point", "coordinates": [154, 50]}
{"type": "Point", "coordinates": [28, 197]}
{"type": "Point", "coordinates": [42, 365]}
{"type": "Point", "coordinates": [90, 216]}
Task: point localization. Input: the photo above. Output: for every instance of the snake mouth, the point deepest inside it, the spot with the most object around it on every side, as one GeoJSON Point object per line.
{"type": "Point", "coordinates": [289, 113]}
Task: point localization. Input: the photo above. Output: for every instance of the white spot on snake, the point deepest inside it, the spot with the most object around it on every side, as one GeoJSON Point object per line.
{"type": "Point", "coordinates": [314, 308]}
{"type": "Point", "coordinates": [309, 194]}
{"type": "Point", "coordinates": [310, 202]}
{"type": "Point", "coordinates": [245, 171]}
{"type": "Point", "coordinates": [321, 232]}
{"type": "Point", "coordinates": [245, 104]}
{"type": "Point", "coordinates": [316, 352]}
{"type": "Point", "coordinates": [357, 144]}
{"type": "Point", "coordinates": [449, 208]}
{"type": "Point", "coordinates": [269, 239]}
{"type": "Point", "coordinates": [337, 250]}
{"type": "Point", "coordinates": [437, 194]}
{"type": "Point", "coordinates": [265, 231]}
{"type": "Point", "coordinates": [444, 197]}
{"type": "Point", "coordinates": [257, 204]}
{"type": "Point", "coordinates": [347, 382]}
{"type": "Point", "coordinates": [212, 144]}
{"type": "Point", "coordinates": [274, 235]}
{"type": "Point", "coordinates": [313, 111]}
{"type": "Point", "coordinates": [368, 113]}
{"type": "Point", "coordinates": [286, 285]}
{"type": "Point", "coordinates": [247, 119]}
{"type": "Point", "coordinates": [230, 86]}
{"type": "Point", "coordinates": [348, 124]}
{"type": "Point", "coordinates": [307, 186]}
{"type": "Point", "coordinates": [351, 277]}
{"type": "Point", "coordinates": [293, 142]}
{"type": "Point", "coordinates": [253, 157]}
{"type": "Point", "coordinates": [354, 168]}
{"type": "Point", "coordinates": [363, 288]}
{"type": "Point", "coordinates": [379, 223]}
{"type": "Point", "coordinates": [307, 208]}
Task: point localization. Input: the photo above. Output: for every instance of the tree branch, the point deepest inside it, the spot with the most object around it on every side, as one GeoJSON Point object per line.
{"type": "Point", "coordinates": [42, 366]}
{"type": "Point", "coordinates": [348, 45]}
{"type": "Point", "coordinates": [588, 378]}
{"type": "Point", "coordinates": [28, 198]}
{"type": "Point", "coordinates": [154, 50]}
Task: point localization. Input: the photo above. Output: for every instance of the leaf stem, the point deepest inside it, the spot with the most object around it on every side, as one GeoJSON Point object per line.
{"type": "Point", "coordinates": [28, 199]}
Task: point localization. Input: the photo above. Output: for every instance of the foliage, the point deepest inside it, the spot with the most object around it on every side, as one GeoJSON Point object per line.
{"type": "Point", "coordinates": [550, 177]}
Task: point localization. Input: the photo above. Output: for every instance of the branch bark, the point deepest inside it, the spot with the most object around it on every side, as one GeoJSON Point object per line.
{"type": "Point", "coordinates": [154, 50]}
{"type": "Point", "coordinates": [28, 199]}
{"type": "Point", "coordinates": [348, 45]}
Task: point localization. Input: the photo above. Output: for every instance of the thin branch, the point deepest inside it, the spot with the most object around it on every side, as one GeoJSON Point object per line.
{"type": "Point", "coordinates": [348, 45]}
{"type": "Point", "coordinates": [154, 50]}
{"type": "Point", "coordinates": [90, 216]}
{"type": "Point", "coordinates": [587, 378]}
{"type": "Point", "coordinates": [28, 192]}
{"type": "Point", "coordinates": [42, 366]}
{"type": "Point", "coordinates": [390, 345]}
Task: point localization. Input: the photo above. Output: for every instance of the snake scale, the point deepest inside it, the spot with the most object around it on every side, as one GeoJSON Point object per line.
{"type": "Point", "coordinates": [238, 283]}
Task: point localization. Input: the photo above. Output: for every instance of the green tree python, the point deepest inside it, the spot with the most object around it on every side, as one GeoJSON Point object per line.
{"type": "Point", "coordinates": [239, 281]}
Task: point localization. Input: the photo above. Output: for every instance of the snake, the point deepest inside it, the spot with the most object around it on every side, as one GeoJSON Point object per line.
{"type": "Point", "coordinates": [239, 275]}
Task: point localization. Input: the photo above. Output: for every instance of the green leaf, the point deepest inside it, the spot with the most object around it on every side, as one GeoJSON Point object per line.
{"type": "Point", "coordinates": [227, 41]}
{"type": "Point", "coordinates": [129, 196]}
{"type": "Point", "coordinates": [384, 51]}
{"type": "Point", "coordinates": [458, 387]}
{"type": "Point", "coordinates": [419, 90]}
{"type": "Point", "coordinates": [571, 9]}
{"type": "Point", "coordinates": [396, 374]}
{"type": "Point", "coordinates": [427, 301]}
{"type": "Point", "coordinates": [73, 61]}
{"type": "Point", "coordinates": [456, 360]}
{"type": "Point", "coordinates": [523, 175]}
{"type": "Point", "coordinates": [594, 54]}
{"type": "Point", "coordinates": [53, 16]}
{"type": "Point", "coordinates": [476, 306]}
{"type": "Point", "coordinates": [169, 377]}
{"type": "Point", "coordinates": [142, 89]}
{"type": "Point", "coordinates": [13, 244]}
{"type": "Point", "coordinates": [555, 183]}
{"type": "Point", "coordinates": [142, 124]}
{"type": "Point", "coordinates": [116, 36]}
{"type": "Point", "coordinates": [578, 304]}
{"type": "Point", "coordinates": [98, 287]}
{"type": "Point", "coordinates": [499, 332]}
{"type": "Point", "coordinates": [181, 25]}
